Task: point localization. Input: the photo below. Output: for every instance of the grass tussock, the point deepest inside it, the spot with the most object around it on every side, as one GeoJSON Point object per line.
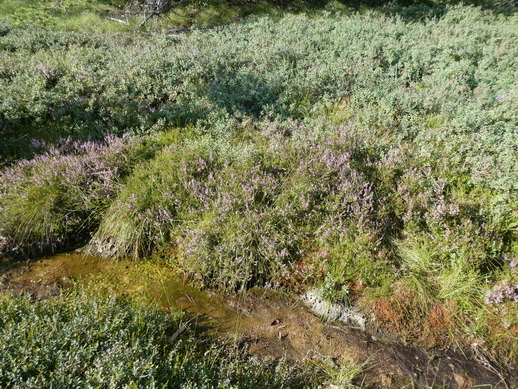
{"type": "Point", "coordinates": [57, 198]}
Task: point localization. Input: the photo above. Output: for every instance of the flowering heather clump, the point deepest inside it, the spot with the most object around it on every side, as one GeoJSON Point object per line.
{"type": "Point", "coordinates": [243, 220]}
{"type": "Point", "coordinates": [513, 263]}
{"type": "Point", "coordinates": [502, 293]}
{"type": "Point", "coordinates": [505, 291]}
{"type": "Point", "coordinates": [244, 236]}
{"type": "Point", "coordinates": [57, 197]}
{"type": "Point", "coordinates": [146, 212]}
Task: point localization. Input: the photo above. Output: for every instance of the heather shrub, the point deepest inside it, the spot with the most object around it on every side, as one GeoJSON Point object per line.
{"type": "Point", "coordinates": [501, 313]}
{"type": "Point", "coordinates": [215, 205]}
{"type": "Point", "coordinates": [244, 217]}
{"type": "Point", "coordinates": [58, 197]}
{"type": "Point", "coordinates": [244, 236]}
{"type": "Point", "coordinates": [249, 215]}
{"type": "Point", "coordinates": [372, 153]}
{"type": "Point", "coordinates": [82, 340]}
{"type": "Point", "coordinates": [456, 220]}
{"type": "Point", "coordinates": [453, 241]}
{"type": "Point", "coordinates": [157, 196]}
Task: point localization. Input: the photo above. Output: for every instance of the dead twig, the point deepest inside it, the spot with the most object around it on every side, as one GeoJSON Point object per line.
{"type": "Point", "coordinates": [151, 8]}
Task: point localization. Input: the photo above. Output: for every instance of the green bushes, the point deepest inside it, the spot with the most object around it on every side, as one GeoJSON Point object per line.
{"type": "Point", "coordinates": [82, 340]}
{"type": "Point", "coordinates": [247, 216]}
{"type": "Point", "coordinates": [242, 217]}
{"type": "Point", "coordinates": [461, 82]}
{"type": "Point", "coordinates": [448, 100]}
{"type": "Point", "coordinates": [358, 150]}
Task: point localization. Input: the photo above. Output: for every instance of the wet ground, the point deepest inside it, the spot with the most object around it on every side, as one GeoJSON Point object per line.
{"type": "Point", "coordinates": [271, 322]}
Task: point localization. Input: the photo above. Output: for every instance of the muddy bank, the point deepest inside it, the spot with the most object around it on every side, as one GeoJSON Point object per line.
{"type": "Point", "coordinates": [272, 323]}
{"type": "Point", "coordinates": [279, 326]}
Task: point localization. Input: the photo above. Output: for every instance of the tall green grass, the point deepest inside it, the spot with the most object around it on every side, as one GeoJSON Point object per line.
{"type": "Point", "coordinates": [56, 199]}
{"type": "Point", "coordinates": [67, 15]}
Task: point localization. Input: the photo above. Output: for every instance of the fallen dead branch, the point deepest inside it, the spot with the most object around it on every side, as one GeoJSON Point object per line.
{"type": "Point", "coordinates": [150, 8]}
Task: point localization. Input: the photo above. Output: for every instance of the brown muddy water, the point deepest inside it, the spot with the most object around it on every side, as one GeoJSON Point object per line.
{"type": "Point", "coordinates": [270, 322]}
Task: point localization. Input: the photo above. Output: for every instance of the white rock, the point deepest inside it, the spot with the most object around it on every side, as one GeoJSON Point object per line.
{"type": "Point", "coordinates": [333, 311]}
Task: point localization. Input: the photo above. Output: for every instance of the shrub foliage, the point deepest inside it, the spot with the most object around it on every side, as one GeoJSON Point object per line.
{"type": "Point", "coordinates": [88, 341]}
{"type": "Point", "coordinates": [359, 150]}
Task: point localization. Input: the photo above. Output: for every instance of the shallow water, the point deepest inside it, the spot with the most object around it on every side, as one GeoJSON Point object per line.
{"type": "Point", "coordinates": [153, 280]}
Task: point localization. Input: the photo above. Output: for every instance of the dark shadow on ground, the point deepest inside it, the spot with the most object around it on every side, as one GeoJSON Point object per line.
{"type": "Point", "coordinates": [409, 10]}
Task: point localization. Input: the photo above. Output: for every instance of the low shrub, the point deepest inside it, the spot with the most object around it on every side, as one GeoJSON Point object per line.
{"type": "Point", "coordinates": [58, 197]}
{"type": "Point", "coordinates": [242, 218]}
{"type": "Point", "coordinates": [82, 340]}
{"type": "Point", "coordinates": [448, 93]}
{"type": "Point", "coordinates": [263, 182]}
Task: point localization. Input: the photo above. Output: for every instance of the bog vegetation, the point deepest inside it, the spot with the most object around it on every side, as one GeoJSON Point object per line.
{"type": "Point", "coordinates": [373, 153]}
{"type": "Point", "coordinates": [84, 341]}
